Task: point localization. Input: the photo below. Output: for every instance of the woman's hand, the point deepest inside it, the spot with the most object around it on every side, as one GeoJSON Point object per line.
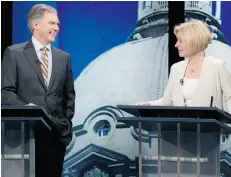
{"type": "Point", "coordinates": [143, 103]}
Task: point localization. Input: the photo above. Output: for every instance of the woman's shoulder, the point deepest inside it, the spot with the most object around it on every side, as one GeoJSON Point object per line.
{"type": "Point", "coordinates": [214, 61]}
{"type": "Point", "coordinates": [179, 64]}
{"type": "Point", "coordinates": [208, 58]}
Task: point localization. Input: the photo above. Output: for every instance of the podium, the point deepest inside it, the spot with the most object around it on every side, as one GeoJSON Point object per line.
{"type": "Point", "coordinates": [18, 142]}
{"type": "Point", "coordinates": [187, 138]}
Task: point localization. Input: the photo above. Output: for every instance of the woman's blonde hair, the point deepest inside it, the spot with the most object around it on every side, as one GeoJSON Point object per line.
{"type": "Point", "coordinates": [196, 34]}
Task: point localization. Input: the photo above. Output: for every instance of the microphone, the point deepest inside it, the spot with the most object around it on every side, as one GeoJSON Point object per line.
{"type": "Point", "coordinates": [182, 79]}
{"type": "Point", "coordinates": [211, 101]}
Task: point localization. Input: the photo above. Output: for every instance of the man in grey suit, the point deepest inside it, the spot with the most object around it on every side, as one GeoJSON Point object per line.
{"type": "Point", "coordinates": [37, 73]}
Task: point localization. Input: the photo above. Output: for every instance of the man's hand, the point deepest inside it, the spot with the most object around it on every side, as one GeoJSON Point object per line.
{"type": "Point", "coordinates": [31, 104]}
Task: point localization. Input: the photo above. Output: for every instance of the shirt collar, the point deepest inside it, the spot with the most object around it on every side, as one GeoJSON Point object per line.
{"type": "Point", "coordinates": [38, 46]}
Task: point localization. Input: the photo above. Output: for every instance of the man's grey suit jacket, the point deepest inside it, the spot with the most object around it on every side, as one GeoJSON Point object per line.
{"type": "Point", "coordinates": [23, 83]}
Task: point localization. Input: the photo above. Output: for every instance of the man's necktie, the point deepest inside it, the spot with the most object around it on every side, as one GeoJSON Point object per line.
{"type": "Point", "coordinates": [44, 65]}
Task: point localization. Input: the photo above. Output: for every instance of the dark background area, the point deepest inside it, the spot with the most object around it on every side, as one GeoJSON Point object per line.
{"type": "Point", "coordinates": [6, 23]}
{"type": "Point", "coordinates": [176, 16]}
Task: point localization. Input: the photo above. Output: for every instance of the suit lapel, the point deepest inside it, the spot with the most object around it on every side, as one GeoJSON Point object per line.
{"type": "Point", "coordinates": [202, 83]}
{"type": "Point", "coordinates": [181, 74]}
{"type": "Point", "coordinates": [32, 57]}
{"type": "Point", "coordinates": [55, 65]}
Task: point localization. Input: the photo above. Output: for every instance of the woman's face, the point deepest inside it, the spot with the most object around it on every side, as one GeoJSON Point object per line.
{"type": "Point", "coordinates": [183, 47]}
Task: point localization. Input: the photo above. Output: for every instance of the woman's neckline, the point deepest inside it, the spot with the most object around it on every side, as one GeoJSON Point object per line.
{"type": "Point", "coordinates": [191, 78]}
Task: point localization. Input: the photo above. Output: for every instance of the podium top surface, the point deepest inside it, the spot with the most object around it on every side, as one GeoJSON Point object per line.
{"type": "Point", "coordinates": [23, 112]}
{"type": "Point", "coordinates": [177, 112]}
{"type": "Point", "coordinates": [170, 124]}
{"type": "Point", "coordinates": [14, 114]}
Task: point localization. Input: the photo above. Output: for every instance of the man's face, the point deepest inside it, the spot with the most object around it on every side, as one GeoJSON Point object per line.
{"type": "Point", "coordinates": [47, 28]}
{"type": "Point", "coordinates": [183, 48]}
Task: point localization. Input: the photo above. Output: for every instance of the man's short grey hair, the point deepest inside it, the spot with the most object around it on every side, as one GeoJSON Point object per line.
{"type": "Point", "coordinates": [36, 13]}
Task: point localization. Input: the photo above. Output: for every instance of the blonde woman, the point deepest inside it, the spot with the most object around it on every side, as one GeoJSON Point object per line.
{"type": "Point", "coordinates": [200, 79]}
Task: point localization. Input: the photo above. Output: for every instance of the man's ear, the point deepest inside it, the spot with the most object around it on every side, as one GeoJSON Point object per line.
{"type": "Point", "coordinates": [36, 26]}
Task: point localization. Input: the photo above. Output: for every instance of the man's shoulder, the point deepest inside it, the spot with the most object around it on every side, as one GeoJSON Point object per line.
{"type": "Point", "coordinates": [18, 47]}
{"type": "Point", "coordinates": [62, 52]}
